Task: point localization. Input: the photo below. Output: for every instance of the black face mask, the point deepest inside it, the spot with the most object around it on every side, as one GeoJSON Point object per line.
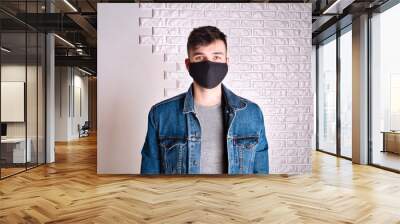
{"type": "Point", "coordinates": [208, 74]}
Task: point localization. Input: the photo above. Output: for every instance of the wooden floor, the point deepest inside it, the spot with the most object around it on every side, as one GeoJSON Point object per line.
{"type": "Point", "coordinates": [70, 191]}
{"type": "Point", "coordinates": [5, 172]}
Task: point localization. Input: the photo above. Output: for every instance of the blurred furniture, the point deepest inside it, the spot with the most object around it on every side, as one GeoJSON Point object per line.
{"type": "Point", "coordinates": [84, 130]}
{"type": "Point", "coordinates": [13, 150]}
{"type": "Point", "coordinates": [391, 141]}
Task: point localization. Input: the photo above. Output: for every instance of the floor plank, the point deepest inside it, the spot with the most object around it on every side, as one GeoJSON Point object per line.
{"type": "Point", "coordinates": [70, 191]}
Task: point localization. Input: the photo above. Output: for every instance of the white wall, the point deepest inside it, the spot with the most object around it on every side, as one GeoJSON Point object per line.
{"type": "Point", "coordinates": [33, 127]}
{"type": "Point", "coordinates": [129, 81]}
{"type": "Point", "coordinates": [17, 73]}
{"type": "Point", "coordinates": [67, 80]}
{"type": "Point", "coordinates": [141, 52]}
{"type": "Point", "coordinates": [81, 82]}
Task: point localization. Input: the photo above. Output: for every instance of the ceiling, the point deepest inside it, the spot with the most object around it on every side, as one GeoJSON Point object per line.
{"type": "Point", "coordinates": [76, 22]}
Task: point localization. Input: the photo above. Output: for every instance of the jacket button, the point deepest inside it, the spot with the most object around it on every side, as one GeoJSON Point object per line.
{"type": "Point", "coordinates": [194, 163]}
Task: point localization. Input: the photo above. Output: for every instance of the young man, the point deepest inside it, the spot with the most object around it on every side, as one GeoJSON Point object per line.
{"type": "Point", "coordinates": [208, 129]}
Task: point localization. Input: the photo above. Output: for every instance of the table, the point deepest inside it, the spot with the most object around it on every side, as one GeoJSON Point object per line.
{"type": "Point", "coordinates": [391, 141]}
{"type": "Point", "coordinates": [15, 148]}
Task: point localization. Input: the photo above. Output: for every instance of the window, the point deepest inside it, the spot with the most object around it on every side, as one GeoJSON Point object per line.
{"type": "Point", "coordinates": [333, 137]}
{"type": "Point", "coordinates": [327, 95]}
{"type": "Point", "coordinates": [346, 92]}
{"type": "Point", "coordinates": [22, 102]}
{"type": "Point", "coordinates": [385, 89]}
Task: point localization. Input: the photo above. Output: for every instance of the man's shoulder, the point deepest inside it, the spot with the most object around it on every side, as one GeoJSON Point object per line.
{"type": "Point", "coordinates": [250, 105]}
{"type": "Point", "coordinates": [252, 109]}
{"type": "Point", "coordinates": [173, 101]}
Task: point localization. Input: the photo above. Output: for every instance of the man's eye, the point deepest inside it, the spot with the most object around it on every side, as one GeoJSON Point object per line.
{"type": "Point", "coordinates": [199, 58]}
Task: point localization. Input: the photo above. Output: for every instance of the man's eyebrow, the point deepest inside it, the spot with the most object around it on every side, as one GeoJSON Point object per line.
{"type": "Point", "coordinates": [218, 52]}
{"type": "Point", "coordinates": [215, 53]}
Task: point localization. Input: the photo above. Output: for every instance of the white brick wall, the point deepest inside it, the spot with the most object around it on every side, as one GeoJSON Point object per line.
{"type": "Point", "coordinates": [269, 46]}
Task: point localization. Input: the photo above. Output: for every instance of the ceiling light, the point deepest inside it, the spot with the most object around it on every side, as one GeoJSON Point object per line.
{"type": "Point", "coordinates": [5, 50]}
{"type": "Point", "coordinates": [70, 5]}
{"type": "Point", "coordinates": [84, 71]}
{"type": "Point", "coordinates": [338, 6]}
{"type": "Point", "coordinates": [64, 40]}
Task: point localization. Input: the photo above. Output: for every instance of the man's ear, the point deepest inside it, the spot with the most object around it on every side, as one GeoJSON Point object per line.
{"type": "Point", "coordinates": [187, 62]}
{"type": "Point", "coordinates": [227, 60]}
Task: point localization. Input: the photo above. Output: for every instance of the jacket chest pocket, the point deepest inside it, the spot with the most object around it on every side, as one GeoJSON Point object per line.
{"type": "Point", "coordinates": [244, 149]}
{"type": "Point", "coordinates": [174, 154]}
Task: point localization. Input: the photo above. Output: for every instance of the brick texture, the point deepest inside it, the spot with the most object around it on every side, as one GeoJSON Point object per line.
{"type": "Point", "coordinates": [269, 45]}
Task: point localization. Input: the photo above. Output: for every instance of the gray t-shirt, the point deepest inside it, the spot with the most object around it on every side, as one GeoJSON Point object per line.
{"type": "Point", "coordinates": [212, 139]}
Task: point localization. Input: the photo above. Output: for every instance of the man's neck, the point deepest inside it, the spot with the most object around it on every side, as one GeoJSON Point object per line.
{"type": "Point", "coordinates": [207, 97]}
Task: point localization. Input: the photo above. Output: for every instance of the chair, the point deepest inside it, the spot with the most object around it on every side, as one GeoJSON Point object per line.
{"type": "Point", "coordinates": [84, 130]}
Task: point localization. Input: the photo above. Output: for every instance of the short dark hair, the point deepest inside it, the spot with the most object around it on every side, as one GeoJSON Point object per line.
{"type": "Point", "coordinates": [205, 35]}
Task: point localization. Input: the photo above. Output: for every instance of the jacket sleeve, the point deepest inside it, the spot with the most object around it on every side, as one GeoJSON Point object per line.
{"type": "Point", "coordinates": [261, 161]}
{"type": "Point", "coordinates": [150, 151]}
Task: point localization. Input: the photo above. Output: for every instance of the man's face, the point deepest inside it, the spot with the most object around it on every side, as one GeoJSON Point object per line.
{"type": "Point", "coordinates": [215, 52]}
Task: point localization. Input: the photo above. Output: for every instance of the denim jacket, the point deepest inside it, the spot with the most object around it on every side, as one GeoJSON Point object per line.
{"type": "Point", "coordinates": [172, 144]}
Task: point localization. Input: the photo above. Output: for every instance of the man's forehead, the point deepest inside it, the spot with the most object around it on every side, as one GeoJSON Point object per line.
{"type": "Point", "coordinates": [200, 52]}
